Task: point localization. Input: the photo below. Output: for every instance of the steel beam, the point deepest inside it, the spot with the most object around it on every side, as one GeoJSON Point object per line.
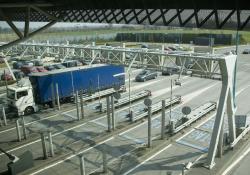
{"type": "Point", "coordinates": [227, 67]}
{"type": "Point", "coordinates": [11, 24]}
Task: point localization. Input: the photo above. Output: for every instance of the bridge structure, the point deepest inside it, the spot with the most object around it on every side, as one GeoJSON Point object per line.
{"type": "Point", "coordinates": [232, 14]}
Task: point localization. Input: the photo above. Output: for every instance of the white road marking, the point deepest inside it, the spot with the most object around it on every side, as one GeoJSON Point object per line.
{"type": "Point", "coordinates": [38, 140]}
{"type": "Point", "coordinates": [231, 166]}
{"type": "Point", "coordinates": [151, 157]}
{"type": "Point", "coordinates": [70, 157]}
{"type": "Point", "coordinates": [29, 123]}
{"type": "Point", "coordinates": [55, 115]}
{"type": "Point", "coordinates": [185, 100]}
{"type": "Point", "coordinates": [88, 148]}
{"type": "Point", "coordinates": [165, 148]}
{"type": "Point", "coordinates": [30, 143]}
{"type": "Point", "coordinates": [193, 95]}
{"type": "Point", "coordinates": [163, 91]}
{"type": "Point", "coordinates": [141, 85]}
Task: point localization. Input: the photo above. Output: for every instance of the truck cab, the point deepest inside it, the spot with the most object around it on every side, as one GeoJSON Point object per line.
{"type": "Point", "coordinates": [21, 100]}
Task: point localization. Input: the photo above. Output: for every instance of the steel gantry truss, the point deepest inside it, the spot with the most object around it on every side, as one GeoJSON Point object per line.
{"type": "Point", "coordinates": [28, 13]}
{"type": "Point", "coordinates": [131, 57]}
{"type": "Point", "coordinates": [157, 59]}
{"type": "Point", "coordinates": [235, 15]}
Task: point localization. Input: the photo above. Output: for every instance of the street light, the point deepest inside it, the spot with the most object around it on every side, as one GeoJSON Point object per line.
{"type": "Point", "coordinates": [177, 82]}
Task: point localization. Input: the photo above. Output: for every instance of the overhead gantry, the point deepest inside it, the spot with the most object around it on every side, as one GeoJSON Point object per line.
{"type": "Point", "coordinates": [206, 64]}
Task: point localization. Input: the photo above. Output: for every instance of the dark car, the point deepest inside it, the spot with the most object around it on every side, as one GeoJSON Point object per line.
{"type": "Point", "coordinates": [146, 75]}
{"type": "Point", "coordinates": [59, 66]}
{"type": "Point", "coordinates": [50, 67]}
{"type": "Point", "coordinates": [70, 63]}
{"type": "Point", "coordinates": [17, 65]}
{"type": "Point", "coordinates": [28, 69]}
{"type": "Point", "coordinates": [18, 74]}
{"type": "Point", "coordinates": [171, 70]}
{"type": "Point", "coordinates": [246, 51]}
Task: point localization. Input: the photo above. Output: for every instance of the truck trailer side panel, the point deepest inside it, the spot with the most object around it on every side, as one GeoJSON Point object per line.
{"type": "Point", "coordinates": [87, 79]}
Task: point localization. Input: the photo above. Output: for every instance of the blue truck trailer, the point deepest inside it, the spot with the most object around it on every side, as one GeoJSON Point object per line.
{"type": "Point", "coordinates": [42, 86]}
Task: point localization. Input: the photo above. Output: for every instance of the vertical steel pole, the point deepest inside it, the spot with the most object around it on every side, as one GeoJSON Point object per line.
{"type": "Point", "coordinates": [220, 143]}
{"type": "Point", "coordinates": [108, 113]}
{"type": "Point", "coordinates": [51, 144]}
{"type": "Point", "coordinates": [113, 112]}
{"type": "Point", "coordinates": [77, 107]}
{"type": "Point", "coordinates": [163, 119]}
{"type": "Point", "coordinates": [4, 117]}
{"type": "Point", "coordinates": [24, 128]}
{"type": "Point", "coordinates": [58, 97]}
{"type": "Point", "coordinates": [1, 123]}
{"type": "Point", "coordinates": [171, 93]}
{"type": "Point", "coordinates": [72, 82]}
{"type": "Point", "coordinates": [81, 104]}
{"type": "Point", "coordinates": [53, 95]}
{"type": "Point", "coordinates": [149, 127]}
{"type": "Point", "coordinates": [183, 169]}
{"type": "Point", "coordinates": [98, 83]}
{"type": "Point", "coordinates": [45, 155]}
{"type": "Point", "coordinates": [104, 159]}
{"type": "Point", "coordinates": [18, 130]}
{"type": "Point", "coordinates": [131, 115]}
{"type": "Point", "coordinates": [129, 91]}
{"type": "Point", "coordinates": [5, 80]}
{"type": "Point", "coordinates": [172, 126]}
{"type": "Point", "coordinates": [82, 165]}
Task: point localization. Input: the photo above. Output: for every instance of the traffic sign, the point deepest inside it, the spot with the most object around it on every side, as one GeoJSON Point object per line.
{"type": "Point", "coordinates": [186, 110]}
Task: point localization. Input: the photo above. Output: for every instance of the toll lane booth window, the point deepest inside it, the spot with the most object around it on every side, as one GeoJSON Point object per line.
{"type": "Point", "coordinates": [21, 94]}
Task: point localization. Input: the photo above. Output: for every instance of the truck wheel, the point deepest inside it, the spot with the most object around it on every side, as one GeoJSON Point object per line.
{"type": "Point", "coordinates": [29, 110]}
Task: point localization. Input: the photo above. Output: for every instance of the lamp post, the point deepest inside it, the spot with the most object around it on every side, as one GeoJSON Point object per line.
{"type": "Point", "coordinates": [129, 92]}
{"type": "Point", "coordinates": [171, 94]}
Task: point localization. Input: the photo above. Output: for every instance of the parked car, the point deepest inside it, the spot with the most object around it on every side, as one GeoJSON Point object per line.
{"type": "Point", "coordinates": [69, 63]}
{"type": "Point", "coordinates": [146, 75]}
{"type": "Point", "coordinates": [17, 65]}
{"type": "Point", "coordinates": [41, 69]}
{"type": "Point", "coordinates": [18, 74]}
{"type": "Point", "coordinates": [72, 63]}
{"type": "Point", "coordinates": [37, 62]}
{"type": "Point", "coordinates": [246, 51]}
{"type": "Point", "coordinates": [59, 66]}
{"type": "Point", "coordinates": [145, 46]}
{"type": "Point", "coordinates": [28, 69]}
{"type": "Point", "coordinates": [169, 70]}
{"type": "Point", "coordinates": [28, 63]}
{"type": "Point", "coordinates": [6, 76]}
{"type": "Point", "coordinates": [49, 67]}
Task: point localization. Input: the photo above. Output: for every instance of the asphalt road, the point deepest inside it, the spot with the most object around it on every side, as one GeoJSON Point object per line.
{"type": "Point", "coordinates": [192, 146]}
{"type": "Point", "coordinates": [195, 91]}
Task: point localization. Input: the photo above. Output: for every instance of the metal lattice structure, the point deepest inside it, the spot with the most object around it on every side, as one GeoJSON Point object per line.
{"type": "Point", "coordinates": [233, 14]}
{"type": "Point", "coordinates": [130, 57]}
{"type": "Point", "coordinates": [205, 64]}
